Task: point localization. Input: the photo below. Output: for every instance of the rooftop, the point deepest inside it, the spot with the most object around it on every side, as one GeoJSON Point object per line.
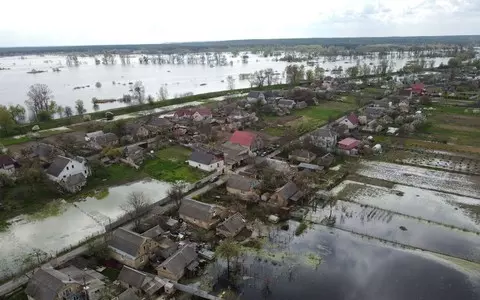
{"type": "Point", "coordinates": [243, 138]}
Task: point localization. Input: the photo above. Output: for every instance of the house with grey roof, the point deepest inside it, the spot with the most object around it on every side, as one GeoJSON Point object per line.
{"type": "Point", "coordinates": [255, 96]}
{"type": "Point", "coordinates": [302, 155]}
{"type": "Point", "coordinates": [231, 226]}
{"type": "Point", "coordinates": [45, 152]}
{"type": "Point", "coordinates": [285, 103]}
{"type": "Point", "coordinates": [181, 262]}
{"type": "Point", "coordinates": [201, 214]}
{"type": "Point", "coordinates": [70, 173]}
{"type": "Point", "coordinates": [374, 112]}
{"type": "Point", "coordinates": [134, 154]}
{"type": "Point", "coordinates": [140, 282]}
{"type": "Point", "coordinates": [128, 294]}
{"type": "Point", "coordinates": [98, 140]}
{"type": "Point", "coordinates": [285, 194]}
{"type": "Point", "coordinates": [206, 161]}
{"type": "Point", "coordinates": [131, 248]}
{"type": "Point", "coordinates": [68, 283]}
{"type": "Point", "coordinates": [243, 187]}
{"type": "Point", "coordinates": [324, 138]}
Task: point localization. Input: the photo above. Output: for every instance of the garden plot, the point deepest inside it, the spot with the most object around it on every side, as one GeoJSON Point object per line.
{"type": "Point", "coordinates": [459, 184]}
{"type": "Point", "coordinates": [442, 161]}
{"type": "Point", "coordinates": [442, 208]}
{"type": "Point", "coordinates": [392, 227]}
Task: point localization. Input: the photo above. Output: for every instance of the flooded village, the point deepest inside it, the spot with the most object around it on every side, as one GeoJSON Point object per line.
{"type": "Point", "coordinates": [322, 187]}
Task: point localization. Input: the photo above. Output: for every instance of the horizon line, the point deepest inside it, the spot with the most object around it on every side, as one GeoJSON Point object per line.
{"type": "Point", "coordinates": [239, 40]}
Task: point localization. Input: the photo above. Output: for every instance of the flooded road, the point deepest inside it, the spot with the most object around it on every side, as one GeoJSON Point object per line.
{"type": "Point", "coordinates": [76, 222]}
{"type": "Point", "coordinates": [354, 268]}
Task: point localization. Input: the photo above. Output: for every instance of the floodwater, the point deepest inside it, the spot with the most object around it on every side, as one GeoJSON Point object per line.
{"type": "Point", "coordinates": [354, 268]}
{"type": "Point", "coordinates": [178, 79]}
{"type": "Point", "coordinates": [387, 226]}
{"type": "Point", "coordinates": [465, 185]}
{"type": "Point", "coordinates": [428, 205]}
{"type": "Point", "coordinates": [77, 222]}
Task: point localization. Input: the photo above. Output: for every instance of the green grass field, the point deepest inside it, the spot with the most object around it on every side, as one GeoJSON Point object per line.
{"type": "Point", "coordinates": [170, 165]}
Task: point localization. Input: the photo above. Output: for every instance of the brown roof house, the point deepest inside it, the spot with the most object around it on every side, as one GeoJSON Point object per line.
{"type": "Point", "coordinates": [288, 192]}
{"type": "Point", "coordinates": [140, 282]}
{"type": "Point", "coordinates": [175, 267]}
{"type": "Point", "coordinates": [302, 155]}
{"type": "Point", "coordinates": [243, 187]}
{"type": "Point", "coordinates": [231, 226]}
{"type": "Point", "coordinates": [67, 283]}
{"type": "Point", "coordinates": [130, 248]}
{"type": "Point", "coordinates": [201, 214]}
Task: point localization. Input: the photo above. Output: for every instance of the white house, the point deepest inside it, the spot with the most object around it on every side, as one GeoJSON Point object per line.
{"type": "Point", "coordinates": [8, 165]}
{"type": "Point", "coordinates": [70, 173]}
{"type": "Point", "coordinates": [206, 161]}
{"type": "Point", "coordinates": [351, 121]}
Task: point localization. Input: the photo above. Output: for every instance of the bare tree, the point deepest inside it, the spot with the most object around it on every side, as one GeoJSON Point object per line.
{"type": "Point", "coordinates": [258, 78]}
{"type": "Point", "coordinates": [176, 192]}
{"type": "Point", "coordinates": [271, 77]}
{"type": "Point", "coordinates": [136, 204]}
{"type": "Point", "coordinates": [162, 93]}
{"type": "Point", "coordinates": [39, 96]}
{"type": "Point", "coordinates": [231, 82]}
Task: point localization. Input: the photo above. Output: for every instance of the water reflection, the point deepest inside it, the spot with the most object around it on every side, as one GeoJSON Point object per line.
{"type": "Point", "coordinates": [78, 221]}
{"type": "Point", "coordinates": [354, 268]}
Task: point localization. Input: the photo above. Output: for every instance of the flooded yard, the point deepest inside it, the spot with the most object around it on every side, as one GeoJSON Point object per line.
{"type": "Point", "coordinates": [352, 267]}
{"type": "Point", "coordinates": [443, 208]}
{"type": "Point", "coordinates": [76, 222]}
{"type": "Point", "coordinates": [392, 227]}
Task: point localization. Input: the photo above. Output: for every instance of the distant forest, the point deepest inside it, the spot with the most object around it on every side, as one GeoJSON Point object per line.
{"type": "Point", "coordinates": [346, 43]}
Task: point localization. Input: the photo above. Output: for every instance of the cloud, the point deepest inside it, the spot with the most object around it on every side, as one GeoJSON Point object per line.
{"type": "Point", "coordinates": [53, 22]}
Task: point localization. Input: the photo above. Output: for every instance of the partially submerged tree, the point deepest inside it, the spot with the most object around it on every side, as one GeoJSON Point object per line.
{"type": "Point", "coordinates": [68, 111]}
{"type": "Point", "coordinates": [136, 204]}
{"type": "Point", "coordinates": [176, 192]}
{"type": "Point", "coordinates": [162, 93]}
{"type": "Point", "coordinates": [230, 82]}
{"type": "Point", "coordinates": [228, 250]}
{"type": "Point", "coordinates": [139, 91]}
{"type": "Point", "coordinates": [80, 107]}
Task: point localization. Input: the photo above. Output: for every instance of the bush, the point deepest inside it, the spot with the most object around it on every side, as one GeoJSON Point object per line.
{"type": "Point", "coordinates": [87, 118]}
{"type": "Point", "coordinates": [109, 115]}
{"type": "Point", "coordinates": [44, 116]}
{"type": "Point", "coordinates": [301, 228]}
{"type": "Point", "coordinates": [98, 84]}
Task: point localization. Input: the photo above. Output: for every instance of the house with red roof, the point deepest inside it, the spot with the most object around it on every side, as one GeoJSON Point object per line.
{"type": "Point", "coordinates": [246, 139]}
{"type": "Point", "coordinates": [196, 114]}
{"type": "Point", "coordinates": [418, 88]}
{"type": "Point", "coordinates": [351, 121]}
{"type": "Point", "coordinates": [348, 145]}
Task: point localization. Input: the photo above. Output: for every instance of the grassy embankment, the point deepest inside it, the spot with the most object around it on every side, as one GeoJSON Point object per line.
{"type": "Point", "coordinates": [23, 129]}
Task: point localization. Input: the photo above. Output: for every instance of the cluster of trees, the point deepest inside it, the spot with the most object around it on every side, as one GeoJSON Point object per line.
{"type": "Point", "coordinates": [263, 77]}
{"type": "Point", "coordinates": [296, 73]}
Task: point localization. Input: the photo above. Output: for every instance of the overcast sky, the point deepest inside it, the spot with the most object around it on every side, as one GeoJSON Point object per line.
{"type": "Point", "coordinates": [60, 22]}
